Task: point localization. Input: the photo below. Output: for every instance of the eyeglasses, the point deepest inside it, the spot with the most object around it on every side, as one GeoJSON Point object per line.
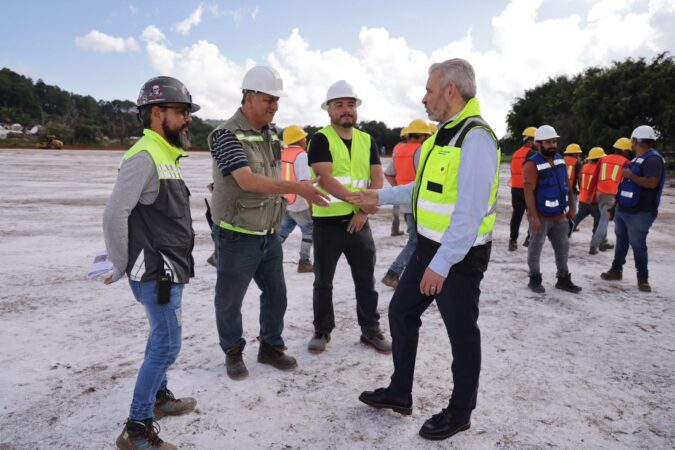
{"type": "Point", "coordinates": [185, 112]}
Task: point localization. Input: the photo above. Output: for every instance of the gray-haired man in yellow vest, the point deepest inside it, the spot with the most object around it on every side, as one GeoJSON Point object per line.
{"type": "Point", "coordinates": [247, 209]}
{"type": "Point", "coordinates": [454, 203]}
{"type": "Point", "coordinates": [346, 159]}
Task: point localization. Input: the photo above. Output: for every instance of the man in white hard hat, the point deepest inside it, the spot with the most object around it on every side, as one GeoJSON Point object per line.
{"type": "Point", "coordinates": [346, 159]}
{"type": "Point", "coordinates": [638, 199]}
{"type": "Point", "coordinates": [247, 209]}
{"type": "Point", "coordinates": [550, 206]}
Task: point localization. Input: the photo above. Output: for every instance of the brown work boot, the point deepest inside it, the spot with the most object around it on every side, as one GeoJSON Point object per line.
{"type": "Point", "coordinates": [142, 435]}
{"type": "Point", "coordinates": [275, 357]}
{"type": "Point", "coordinates": [513, 245]}
{"type": "Point", "coordinates": [643, 285]}
{"type": "Point", "coordinates": [390, 279]}
{"type": "Point", "coordinates": [234, 363]}
{"type": "Point", "coordinates": [168, 405]}
{"type": "Point", "coordinates": [593, 250]}
{"type": "Point", "coordinates": [611, 275]}
{"type": "Point", "coordinates": [305, 266]}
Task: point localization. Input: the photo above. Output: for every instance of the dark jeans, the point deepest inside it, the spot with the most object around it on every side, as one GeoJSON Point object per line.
{"type": "Point", "coordinates": [330, 241]}
{"type": "Point", "coordinates": [242, 257]}
{"type": "Point", "coordinates": [458, 305]}
{"type": "Point", "coordinates": [518, 204]}
{"type": "Point", "coordinates": [631, 230]}
{"type": "Point", "coordinates": [585, 210]}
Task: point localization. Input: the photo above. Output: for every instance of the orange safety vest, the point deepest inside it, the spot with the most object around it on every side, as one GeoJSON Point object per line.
{"type": "Point", "coordinates": [404, 162]}
{"type": "Point", "coordinates": [609, 173]}
{"type": "Point", "coordinates": [586, 190]}
{"type": "Point", "coordinates": [288, 157]}
{"type": "Point", "coordinates": [517, 161]}
{"type": "Point", "coordinates": [571, 163]}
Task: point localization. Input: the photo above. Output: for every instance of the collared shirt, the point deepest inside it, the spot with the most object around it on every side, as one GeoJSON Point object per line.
{"type": "Point", "coordinates": [474, 183]}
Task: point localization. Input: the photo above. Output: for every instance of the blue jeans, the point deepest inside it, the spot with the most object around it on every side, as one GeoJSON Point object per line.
{"type": "Point", "coordinates": [241, 258]}
{"type": "Point", "coordinates": [631, 229]}
{"type": "Point", "coordinates": [162, 347]}
{"type": "Point", "coordinates": [304, 220]}
{"type": "Point", "coordinates": [402, 259]}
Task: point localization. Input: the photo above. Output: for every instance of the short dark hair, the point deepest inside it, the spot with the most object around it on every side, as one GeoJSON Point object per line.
{"type": "Point", "coordinates": [245, 93]}
{"type": "Point", "coordinates": [144, 115]}
{"type": "Point", "coordinates": [647, 142]}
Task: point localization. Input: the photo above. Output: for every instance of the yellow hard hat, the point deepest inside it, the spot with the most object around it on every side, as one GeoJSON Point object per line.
{"type": "Point", "coordinates": [404, 131]}
{"type": "Point", "coordinates": [418, 126]}
{"type": "Point", "coordinates": [529, 132]}
{"type": "Point", "coordinates": [622, 144]}
{"type": "Point", "coordinates": [572, 149]}
{"type": "Point", "coordinates": [596, 153]}
{"type": "Point", "coordinates": [293, 134]}
{"type": "Point", "coordinates": [433, 127]}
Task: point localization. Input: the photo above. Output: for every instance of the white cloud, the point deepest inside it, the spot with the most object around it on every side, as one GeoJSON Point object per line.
{"type": "Point", "coordinates": [152, 34]}
{"type": "Point", "coordinates": [390, 76]}
{"type": "Point", "coordinates": [184, 26]}
{"type": "Point", "coordinates": [133, 10]}
{"type": "Point", "coordinates": [255, 12]}
{"type": "Point", "coordinates": [104, 43]}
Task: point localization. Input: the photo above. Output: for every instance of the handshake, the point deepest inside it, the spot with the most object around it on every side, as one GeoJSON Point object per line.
{"type": "Point", "coordinates": [367, 199]}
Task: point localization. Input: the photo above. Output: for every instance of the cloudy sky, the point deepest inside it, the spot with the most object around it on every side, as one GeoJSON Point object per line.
{"type": "Point", "coordinates": [384, 48]}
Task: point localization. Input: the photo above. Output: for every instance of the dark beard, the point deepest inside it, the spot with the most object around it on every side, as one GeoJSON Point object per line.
{"type": "Point", "coordinates": [178, 138]}
{"type": "Point", "coordinates": [549, 152]}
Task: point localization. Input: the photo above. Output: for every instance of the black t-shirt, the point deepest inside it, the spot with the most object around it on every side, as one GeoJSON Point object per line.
{"type": "Point", "coordinates": [318, 151]}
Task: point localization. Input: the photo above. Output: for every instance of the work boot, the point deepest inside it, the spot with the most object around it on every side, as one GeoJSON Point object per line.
{"type": "Point", "coordinates": [643, 285]}
{"type": "Point", "coordinates": [396, 232]}
{"type": "Point", "coordinates": [612, 275]}
{"type": "Point", "coordinates": [535, 284]}
{"type": "Point", "coordinates": [275, 357]}
{"type": "Point", "coordinates": [318, 343]}
{"type": "Point", "coordinates": [378, 342]}
{"type": "Point", "coordinates": [212, 260]}
{"type": "Point", "coordinates": [305, 266]}
{"type": "Point", "coordinates": [168, 405]}
{"type": "Point", "coordinates": [565, 284]}
{"type": "Point", "coordinates": [390, 279]}
{"type": "Point", "coordinates": [526, 242]}
{"type": "Point", "coordinates": [513, 245]}
{"type": "Point", "coordinates": [443, 425]}
{"type": "Point", "coordinates": [142, 435]}
{"type": "Point", "coordinates": [593, 250]}
{"type": "Point", "coordinates": [606, 246]}
{"type": "Point", "coordinates": [234, 363]}
{"type": "Point", "coordinates": [382, 399]}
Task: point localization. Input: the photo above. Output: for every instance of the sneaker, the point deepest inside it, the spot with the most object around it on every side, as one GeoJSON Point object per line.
{"type": "Point", "coordinates": [565, 284]}
{"type": "Point", "coordinates": [443, 425]}
{"type": "Point", "coordinates": [611, 275]}
{"type": "Point", "coordinates": [234, 363]}
{"type": "Point", "coordinates": [305, 266]}
{"type": "Point", "coordinates": [535, 284]}
{"type": "Point", "coordinates": [275, 357]}
{"type": "Point", "coordinates": [212, 260]}
{"type": "Point", "coordinates": [606, 246]}
{"type": "Point", "coordinates": [526, 242]}
{"type": "Point", "coordinates": [168, 405]}
{"type": "Point", "coordinates": [643, 285]}
{"type": "Point", "coordinates": [593, 251]}
{"type": "Point", "coordinates": [141, 435]}
{"type": "Point", "coordinates": [382, 399]}
{"type": "Point", "coordinates": [378, 342]}
{"type": "Point", "coordinates": [513, 245]}
{"type": "Point", "coordinates": [318, 343]}
{"type": "Point", "coordinates": [390, 279]}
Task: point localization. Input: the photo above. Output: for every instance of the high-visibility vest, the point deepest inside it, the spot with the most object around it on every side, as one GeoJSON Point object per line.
{"type": "Point", "coordinates": [435, 193]}
{"type": "Point", "coordinates": [288, 157]}
{"type": "Point", "coordinates": [517, 161]}
{"type": "Point", "coordinates": [609, 173]}
{"type": "Point", "coordinates": [586, 194]}
{"type": "Point", "coordinates": [404, 161]}
{"type": "Point", "coordinates": [552, 185]}
{"type": "Point", "coordinates": [571, 165]}
{"type": "Point", "coordinates": [629, 191]}
{"type": "Point", "coordinates": [350, 168]}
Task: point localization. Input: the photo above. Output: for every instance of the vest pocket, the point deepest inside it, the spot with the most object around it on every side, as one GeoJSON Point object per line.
{"type": "Point", "coordinates": [253, 214]}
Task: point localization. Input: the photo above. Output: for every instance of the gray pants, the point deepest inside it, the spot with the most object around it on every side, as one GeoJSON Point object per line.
{"type": "Point", "coordinates": [556, 231]}
{"type": "Point", "coordinates": [605, 203]}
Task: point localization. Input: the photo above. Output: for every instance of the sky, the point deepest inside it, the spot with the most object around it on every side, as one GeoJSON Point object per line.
{"type": "Point", "coordinates": [108, 49]}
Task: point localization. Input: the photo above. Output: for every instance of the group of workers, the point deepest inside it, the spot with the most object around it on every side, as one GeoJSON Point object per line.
{"type": "Point", "coordinates": [448, 179]}
{"type": "Point", "coordinates": [625, 185]}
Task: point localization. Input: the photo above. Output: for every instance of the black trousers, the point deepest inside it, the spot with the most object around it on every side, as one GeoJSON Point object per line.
{"type": "Point", "coordinates": [519, 208]}
{"type": "Point", "coordinates": [331, 240]}
{"type": "Point", "coordinates": [458, 305]}
{"type": "Point", "coordinates": [585, 210]}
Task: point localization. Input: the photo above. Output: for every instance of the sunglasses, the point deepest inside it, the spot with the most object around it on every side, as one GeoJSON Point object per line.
{"type": "Point", "coordinates": [185, 112]}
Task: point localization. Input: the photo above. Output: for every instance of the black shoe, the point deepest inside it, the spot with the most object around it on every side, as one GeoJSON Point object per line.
{"type": "Point", "coordinates": [513, 245]}
{"type": "Point", "coordinates": [390, 279]}
{"type": "Point", "coordinates": [535, 284]}
{"type": "Point", "coordinates": [275, 357]}
{"type": "Point", "coordinates": [381, 399]}
{"type": "Point", "coordinates": [565, 284]}
{"type": "Point", "coordinates": [606, 246]}
{"type": "Point", "coordinates": [526, 242]}
{"type": "Point", "coordinates": [643, 285]}
{"type": "Point", "coordinates": [593, 251]}
{"type": "Point", "coordinates": [443, 425]}
{"type": "Point", "coordinates": [142, 434]}
{"type": "Point", "coordinates": [234, 363]}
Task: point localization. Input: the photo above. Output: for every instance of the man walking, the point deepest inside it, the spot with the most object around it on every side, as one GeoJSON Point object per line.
{"type": "Point", "coordinates": [346, 159]}
{"type": "Point", "coordinates": [401, 170]}
{"type": "Point", "coordinates": [517, 191]}
{"type": "Point", "coordinates": [638, 199]}
{"type": "Point", "coordinates": [454, 202]}
{"type": "Point", "coordinates": [550, 205]}
{"type": "Point", "coordinates": [588, 203]}
{"type": "Point", "coordinates": [294, 167]}
{"type": "Point", "coordinates": [148, 233]}
{"type": "Point", "coordinates": [247, 209]}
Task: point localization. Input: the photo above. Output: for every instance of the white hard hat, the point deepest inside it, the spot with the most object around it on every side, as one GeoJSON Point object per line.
{"type": "Point", "coordinates": [545, 132]}
{"type": "Point", "coordinates": [643, 132]}
{"type": "Point", "coordinates": [263, 79]}
{"type": "Point", "coordinates": [340, 89]}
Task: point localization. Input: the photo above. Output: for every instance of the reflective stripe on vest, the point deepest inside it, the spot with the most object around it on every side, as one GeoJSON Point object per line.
{"type": "Point", "coordinates": [629, 191]}
{"type": "Point", "coordinates": [436, 191]}
{"type": "Point", "coordinates": [585, 194]}
{"type": "Point", "coordinates": [404, 162]}
{"type": "Point", "coordinates": [288, 157]}
{"type": "Point", "coordinates": [517, 161]}
{"type": "Point", "coordinates": [571, 164]}
{"type": "Point", "coordinates": [610, 173]}
{"type": "Point", "coordinates": [350, 168]}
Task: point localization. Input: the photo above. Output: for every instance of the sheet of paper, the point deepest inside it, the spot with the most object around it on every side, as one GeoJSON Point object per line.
{"type": "Point", "coordinates": [100, 265]}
